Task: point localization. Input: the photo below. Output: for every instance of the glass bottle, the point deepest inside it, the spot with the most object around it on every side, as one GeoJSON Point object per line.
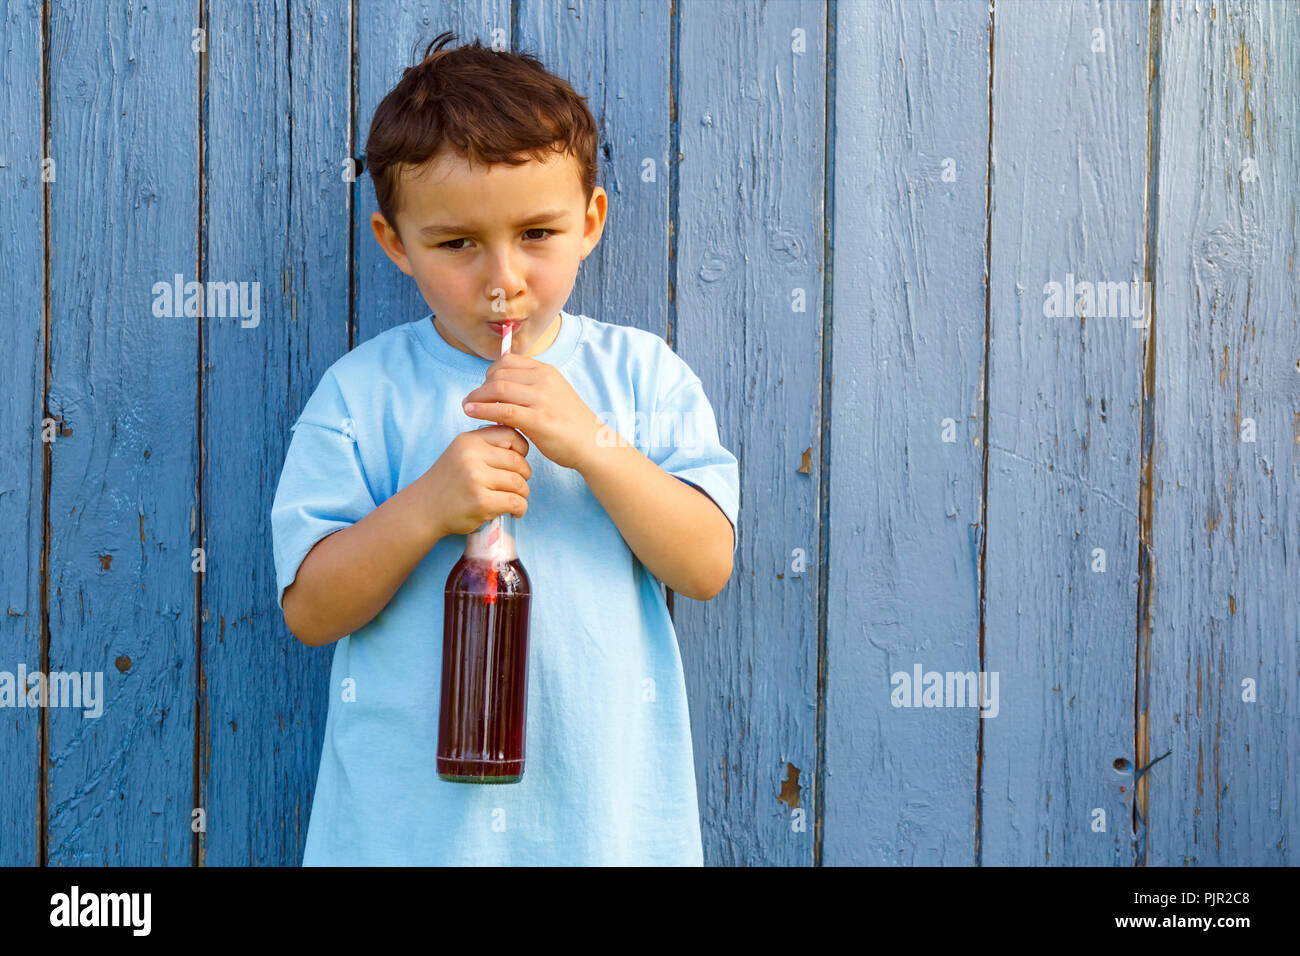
{"type": "Point", "coordinates": [483, 710]}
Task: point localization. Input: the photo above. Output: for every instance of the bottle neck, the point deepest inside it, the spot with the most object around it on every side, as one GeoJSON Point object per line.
{"type": "Point", "coordinates": [507, 522]}
{"type": "Point", "coordinates": [494, 540]}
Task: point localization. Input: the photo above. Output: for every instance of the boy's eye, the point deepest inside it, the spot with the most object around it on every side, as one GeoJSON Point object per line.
{"type": "Point", "coordinates": [448, 244]}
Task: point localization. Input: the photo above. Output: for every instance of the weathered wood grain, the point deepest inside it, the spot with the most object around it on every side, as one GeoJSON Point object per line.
{"type": "Point", "coordinates": [123, 484]}
{"type": "Point", "coordinates": [750, 118]}
{"type": "Point", "coordinates": [1069, 168]}
{"type": "Point", "coordinates": [278, 214]}
{"type": "Point", "coordinates": [22, 398]}
{"type": "Point", "coordinates": [909, 229]}
{"type": "Point", "coordinates": [1226, 523]}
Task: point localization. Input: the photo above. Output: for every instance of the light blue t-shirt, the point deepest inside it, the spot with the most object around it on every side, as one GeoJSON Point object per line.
{"type": "Point", "coordinates": [609, 775]}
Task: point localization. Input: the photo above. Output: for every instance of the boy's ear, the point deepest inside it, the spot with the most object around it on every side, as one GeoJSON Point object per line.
{"type": "Point", "coordinates": [390, 242]}
{"type": "Point", "coordinates": [594, 224]}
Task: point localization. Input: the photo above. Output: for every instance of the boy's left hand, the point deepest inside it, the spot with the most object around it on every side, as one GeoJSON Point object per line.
{"type": "Point", "coordinates": [539, 402]}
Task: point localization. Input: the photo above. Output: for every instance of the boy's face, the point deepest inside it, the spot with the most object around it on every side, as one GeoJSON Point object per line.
{"type": "Point", "coordinates": [495, 243]}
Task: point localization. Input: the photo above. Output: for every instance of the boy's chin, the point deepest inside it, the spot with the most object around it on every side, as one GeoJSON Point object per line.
{"type": "Point", "coordinates": [489, 350]}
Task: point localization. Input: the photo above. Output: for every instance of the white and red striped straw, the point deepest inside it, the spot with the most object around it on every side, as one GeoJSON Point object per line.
{"type": "Point", "coordinates": [494, 536]}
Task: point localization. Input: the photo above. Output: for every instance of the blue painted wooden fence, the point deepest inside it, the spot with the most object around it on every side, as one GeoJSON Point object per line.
{"type": "Point", "coordinates": [848, 219]}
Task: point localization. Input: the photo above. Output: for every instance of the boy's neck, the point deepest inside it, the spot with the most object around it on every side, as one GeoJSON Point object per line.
{"type": "Point", "coordinates": [548, 337]}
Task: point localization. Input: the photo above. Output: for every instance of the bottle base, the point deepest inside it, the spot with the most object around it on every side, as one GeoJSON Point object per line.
{"type": "Point", "coordinates": [469, 778]}
{"type": "Point", "coordinates": [462, 770]}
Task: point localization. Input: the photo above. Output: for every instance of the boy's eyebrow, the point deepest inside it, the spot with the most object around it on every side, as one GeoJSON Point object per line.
{"type": "Point", "coordinates": [441, 228]}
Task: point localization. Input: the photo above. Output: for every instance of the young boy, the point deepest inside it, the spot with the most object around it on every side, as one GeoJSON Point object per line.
{"type": "Point", "coordinates": [484, 168]}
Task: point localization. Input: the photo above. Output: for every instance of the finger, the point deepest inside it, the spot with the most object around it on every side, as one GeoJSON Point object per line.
{"type": "Point", "coordinates": [509, 459]}
{"type": "Point", "coordinates": [520, 417]}
{"type": "Point", "coordinates": [506, 503]}
{"type": "Point", "coordinates": [503, 436]}
{"type": "Point", "coordinates": [500, 390]}
{"type": "Point", "coordinates": [500, 479]}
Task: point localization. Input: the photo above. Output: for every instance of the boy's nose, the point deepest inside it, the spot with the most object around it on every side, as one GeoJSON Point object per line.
{"type": "Point", "coordinates": [504, 277]}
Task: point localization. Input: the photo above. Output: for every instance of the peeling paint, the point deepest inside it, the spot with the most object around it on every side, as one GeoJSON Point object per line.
{"type": "Point", "coordinates": [790, 787]}
{"type": "Point", "coordinates": [1242, 59]}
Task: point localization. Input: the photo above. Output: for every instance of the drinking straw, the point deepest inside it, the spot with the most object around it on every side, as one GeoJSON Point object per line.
{"type": "Point", "coordinates": [495, 544]}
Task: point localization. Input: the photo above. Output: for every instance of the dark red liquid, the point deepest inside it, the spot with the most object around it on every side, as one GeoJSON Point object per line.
{"type": "Point", "coordinates": [482, 716]}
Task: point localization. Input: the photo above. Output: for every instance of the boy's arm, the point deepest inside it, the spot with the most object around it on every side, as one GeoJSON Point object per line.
{"type": "Point", "coordinates": [675, 530]}
{"type": "Point", "coordinates": [350, 575]}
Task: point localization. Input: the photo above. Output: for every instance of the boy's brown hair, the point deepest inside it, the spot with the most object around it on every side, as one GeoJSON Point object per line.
{"type": "Point", "coordinates": [486, 106]}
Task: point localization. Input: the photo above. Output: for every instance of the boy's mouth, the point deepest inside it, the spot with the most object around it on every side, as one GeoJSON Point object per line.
{"type": "Point", "coordinates": [499, 327]}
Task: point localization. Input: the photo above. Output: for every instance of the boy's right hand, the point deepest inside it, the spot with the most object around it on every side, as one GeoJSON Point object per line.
{"type": "Point", "coordinates": [482, 474]}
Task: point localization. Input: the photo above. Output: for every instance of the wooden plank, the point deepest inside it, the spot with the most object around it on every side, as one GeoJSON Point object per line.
{"type": "Point", "coordinates": [22, 388]}
{"type": "Point", "coordinates": [386, 45]}
{"type": "Point", "coordinates": [124, 134]}
{"type": "Point", "coordinates": [1069, 168]}
{"type": "Point", "coordinates": [910, 224]}
{"type": "Point", "coordinates": [278, 214]}
{"type": "Point", "coordinates": [1226, 527]}
{"type": "Point", "coordinates": [750, 234]}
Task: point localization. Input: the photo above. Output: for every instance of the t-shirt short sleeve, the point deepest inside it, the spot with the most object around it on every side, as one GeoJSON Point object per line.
{"type": "Point", "coordinates": [323, 486]}
{"type": "Point", "coordinates": [683, 437]}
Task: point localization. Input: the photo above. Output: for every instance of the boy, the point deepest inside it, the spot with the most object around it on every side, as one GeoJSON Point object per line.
{"type": "Point", "coordinates": [473, 155]}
